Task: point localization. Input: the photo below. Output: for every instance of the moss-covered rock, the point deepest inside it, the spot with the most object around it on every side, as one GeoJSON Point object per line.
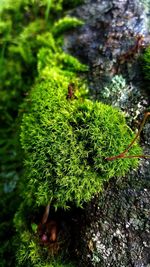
{"type": "Point", "coordinates": [66, 140]}
{"type": "Point", "coordinates": [65, 136]}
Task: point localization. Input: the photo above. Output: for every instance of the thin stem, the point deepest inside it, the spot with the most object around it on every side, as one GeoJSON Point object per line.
{"type": "Point", "coordinates": [138, 133]}
{"type": "Point", "coordinates": [46, 214]}
{"type": "Point", "coordinates": [137, 156]}
{"type": "Point", "coordinates": [49, 2]}
{"type": "Point", "coordinates": [123, 154]}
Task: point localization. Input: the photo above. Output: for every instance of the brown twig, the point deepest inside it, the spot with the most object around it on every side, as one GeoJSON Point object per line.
{"type": "Point", "coordinates": [123, 154]}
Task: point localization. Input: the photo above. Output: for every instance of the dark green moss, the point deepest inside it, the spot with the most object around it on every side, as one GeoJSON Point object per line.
{"type": "Point", "coordinates": [145, 63]}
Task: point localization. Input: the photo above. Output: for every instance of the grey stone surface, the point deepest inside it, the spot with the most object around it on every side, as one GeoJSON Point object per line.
{"type": "Point", "coordinates": [114, 33]}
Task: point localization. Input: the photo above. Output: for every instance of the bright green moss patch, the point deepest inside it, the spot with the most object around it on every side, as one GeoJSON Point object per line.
{"type": "Point", "coordinates": [66, 142]}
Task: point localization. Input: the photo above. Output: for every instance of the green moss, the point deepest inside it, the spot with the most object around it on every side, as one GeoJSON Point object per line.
{"type": "Point", "coordinates": [66, 24]}
{"type": "Point", "coordinates": [25, 27]}
{"type": "Point", "coordinates": [31, 254]}
{"type": "Point", "coordinates": [145, 60]}
{"type": "Point", "coordinates": [66, 142]}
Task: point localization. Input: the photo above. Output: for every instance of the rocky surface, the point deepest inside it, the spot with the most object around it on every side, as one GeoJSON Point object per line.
{"type": "Point", "coordinates": [115, 228]}
{"type": "Point", "coordinates": [113, 35]}
{"type": "Point", "coordinates": [118, 226]}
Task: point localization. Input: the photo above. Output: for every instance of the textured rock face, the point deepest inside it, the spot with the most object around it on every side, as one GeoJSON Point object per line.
{"type": "Point", "coordinates": [118, 227]}
{"type": "Point", "coordinates": [116, 231]}
{"type": "Point", "coordinates": [114, 33]}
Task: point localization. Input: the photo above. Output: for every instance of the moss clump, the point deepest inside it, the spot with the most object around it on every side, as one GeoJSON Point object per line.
{"type": "Point", "coordinates": [66, 142]}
